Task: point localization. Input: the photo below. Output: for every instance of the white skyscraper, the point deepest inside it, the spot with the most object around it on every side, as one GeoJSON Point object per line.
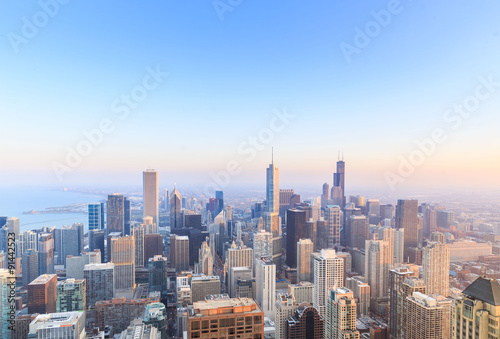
{"type": "Point", "coordinates": [26, 241]}
{"type": "Point", "coordinates": [377, 267]}
{"type": "Point", "coordinates": [151, 194]}
{"type": "Point", "coordinates": [265, 276]}
{"type": "Point", "coordinates": [333, 216]}
{"type": "Point", "coordinates": [304, 249]}
{"type": "Point", "coordinates": [271, 216]}
{"type": "Point", "coordinates": [436, 263]}
{"type": "Point", "coordinates": [399, 245]}
{"type": "Point", "coordinates": [285, 308]}
{"type": "Point", "coordinates": [328, 274]}
{"type": "Point", "coordinates": [206, 260]}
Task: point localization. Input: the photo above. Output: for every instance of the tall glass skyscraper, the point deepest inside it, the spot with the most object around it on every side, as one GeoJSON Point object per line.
{"type": "Point", "coordinates": [96, 216]}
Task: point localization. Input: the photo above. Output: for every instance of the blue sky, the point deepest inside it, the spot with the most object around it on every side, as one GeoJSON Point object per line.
{"type": "Point", "coordinates": [225, 78]}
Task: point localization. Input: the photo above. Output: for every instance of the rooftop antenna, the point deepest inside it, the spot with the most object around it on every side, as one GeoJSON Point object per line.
{"type": "Point", "coordinates": [338, 157]}
{"type": "Point", "coordinates": [272, 155]}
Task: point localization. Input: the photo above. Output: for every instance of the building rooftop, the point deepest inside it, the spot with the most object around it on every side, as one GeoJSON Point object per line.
{"type": "Point", "coordinates": [225, 306]}
{"type": "Point", "coordinates": [105, 266]}
{"type": "Point", "coordinates": [487, 290]}
{"type": "Point", "coordinates": [53, 320]}
{"type": "Point", "coordinates": [43, 279]}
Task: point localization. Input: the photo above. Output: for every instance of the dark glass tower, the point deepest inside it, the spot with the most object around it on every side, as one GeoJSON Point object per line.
{"type": "Point", "coordinates": [339, 180]}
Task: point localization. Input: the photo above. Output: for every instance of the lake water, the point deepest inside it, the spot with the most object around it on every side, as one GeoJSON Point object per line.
{"type": "Point", "coordinates": [15, 201]}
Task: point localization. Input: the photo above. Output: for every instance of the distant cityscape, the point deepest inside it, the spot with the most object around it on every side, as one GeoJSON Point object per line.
{"type": "Point", "coordinates": [166, 265]}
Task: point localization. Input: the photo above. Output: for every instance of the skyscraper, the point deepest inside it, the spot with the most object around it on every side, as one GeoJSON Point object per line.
{"type": "Point", "coordinates": [42, 294]}
{"type": "Point", "coordinates": [96, 216]}
{"type": "Point", "coordinates": [356, 231]}
{"type": "Point", "coordinates": [5, 279]}
{"type": "Point", "coordinates": [436, 264]}
{"type": "Point", "coordinates": [206, 260]}
{"type": "Point", "coordinates": [138, 233]}
{"type": "Point", "coordinates": [175, 209]}
{"type": "Point", "coordinates": [285, 308]}
{"type": "Point", "coordinates": [271, 216]}
{"type": "Point", "coordinates": [68, 325]}
{"type": "Point", "coordinates": [339, 180]}
{"type": "Point", "coordinates": [407, 219]}
{"type": "Point", "coordinates": [340, 319]}
{"type": "Point", "coordinates": [100, 281]}
{"type": "Point", "coordinates": [71, 295]}
{"type": "Point", "coordinates": [265, 276]}
{"type": "Point", "coordinates": [361, 291]}
{"type": "Point", "coordinates": [262, 244]}
{"type": "Point", "coordinates": [476, 314]}
{"type": "Point", "coordinates": [305, 323]}
{"type": "Point", "coordinates": [123, 257]}
{"type": "Point", "coordinates": [179, 252]}
{"type": "Point", "coordinates": [46, 254]}
{"type": "Point", "coordinates": [333, 215]}
{"type": "Point", "coordinates": [219, 202]}
{"type": "Point", "coordinates": [377, 265]}
{"type": "Point", "coordinates": [29, 263]}
{"type": "Point", "coordinates": [295, 230]}
{"type": "Point", "coordinates": [116, 213]}
{"type": "Point", "coordinates": [151, 194]}
{"type": "Point", "coordinates": [427, 316]}
{"type": "Point", "coordinates": [304, 249]}
{"type": "Point", "coordinates": [203, 286]}
{"type": "Point", "coordinates": [26, 241]}
{"type": "Point", "coordinates": [328, 273]}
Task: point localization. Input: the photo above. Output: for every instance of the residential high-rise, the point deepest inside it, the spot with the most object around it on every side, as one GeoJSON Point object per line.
{"type": "Point", "coordinates": [304, 249]}
{"type": "Point", "coordinates": [265, 276]}
{"type": "Point", "coordinates": [325, 195]}
{"type": "Point", "coordinates": [407, 219]}
{"type": "Point", "coordinates": [399, 245]}
{"type": "Point", "coordinates": [203, 286]}
{"type": "Point", "coordinates": [339, 180]}
{"type": "Point", "coordinates": [26, 241]}
{"type": "Point", "coordinates": [322, 235]}
{"type": "Point", "coordinates": [476, 315]}
{"type": "Point", "coordinates": [361, 291]}
{"type": "Point", "coordinates": [46, 254]}
{"type": "Point", "coordinates": [138, 231]}
{"type": "Point", "coordinates": [427, 317]}
{"type": "Point", "coordinates": [340, 319]}
{"type": "Point", "coordinates": [179, 252]}
{"type": "Point", "coordinates": [436, 264]}
{"type": "Point", "coordinates": [305, 323]}
{"type": "Point", "coordinates": [100, 281]}
{"type": "Point", "coordinates": [285, 308]}
{"type": "Point", "coordinates": [116, 213]}
{"type": "Point", "coordinates": [271, 216]}
{"type": "Point", "coordinates": [72, 241]}
{"type": "Point", "coordinates": [328, 273]}
{"type": "Point", "coordinates": [96, 216]}
{"type": "Point", "coordinates": [175, 209]}
{"type": "Point", "coordinates": [377, 265]}
{"type": "Point", "coordinates": [221, 316]}
{"type": "Point", "coordinates": [295, 230]}
{"type": "Point", "coordinates": [333, 215]}
{"type": "Point", "coordinates": [13, 226]}
{"type": "Point", "coordinates": [68, 325]}
{"type": "Point", "coordinates": [403, 281]}
{"type": "Point", "coordinates": [42, 294]}
{"type": "Point", "coordinates": [123, 257]}
{"type": "Point", "coordinates": [151, 194]}
{"type": "Point", "coordinates": [71, 295]}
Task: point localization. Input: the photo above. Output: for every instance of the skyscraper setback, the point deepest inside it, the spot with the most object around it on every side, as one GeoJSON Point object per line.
{"type": "Point", "coordinates": [151, 194]}
{"type": "Point", "coordinates": [339, 181]}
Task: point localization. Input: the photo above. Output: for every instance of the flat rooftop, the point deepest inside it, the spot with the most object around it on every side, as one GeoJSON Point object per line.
{"type": "Point", "coordinates": [43, 279]}
{"type": "Point", "coordinates": [54, 320]}
{"type": "Point", "coordinates": [225, 306]}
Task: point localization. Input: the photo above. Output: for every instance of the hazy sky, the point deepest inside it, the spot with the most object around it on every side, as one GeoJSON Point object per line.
{"type": "Point", "coordinates": [352, 83]}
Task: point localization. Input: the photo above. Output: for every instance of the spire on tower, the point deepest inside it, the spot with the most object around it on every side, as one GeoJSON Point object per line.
{"type": "Point", "coordinates": [272, 155]}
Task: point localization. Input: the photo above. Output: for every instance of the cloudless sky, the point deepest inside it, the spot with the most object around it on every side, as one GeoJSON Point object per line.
{"type": "Point", "coordinates": [227, 77]}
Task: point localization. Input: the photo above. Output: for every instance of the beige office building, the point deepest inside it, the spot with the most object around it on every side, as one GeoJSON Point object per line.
{"type": "Point", "coordinates": [151, 194]}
